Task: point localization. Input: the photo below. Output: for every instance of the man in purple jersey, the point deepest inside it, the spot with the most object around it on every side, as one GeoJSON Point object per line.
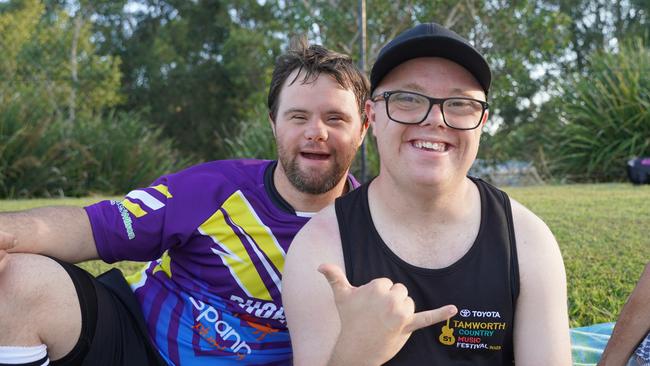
{"type": "Point", "coordinates": [215, 234]}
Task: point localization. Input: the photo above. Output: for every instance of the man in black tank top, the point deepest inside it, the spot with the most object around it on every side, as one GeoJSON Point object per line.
{"type": "Point", "coordinates": [427, 266]}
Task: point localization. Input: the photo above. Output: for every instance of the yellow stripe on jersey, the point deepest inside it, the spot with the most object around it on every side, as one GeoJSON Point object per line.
{"type": "Point", "coordinates": [163, 189]}
{"type": "Point", "coordinates": [244, 216]}
{"type": "Point", "coordinates": [134, 208]}
{"type": "Point", "coordinates": [137, 279]}
{"type": "Point", "coordinates": [240, 264]}
{"type": "Point", "coordinates": [164, 265]}
{"type": "Point", "coordinates": [134, 278]}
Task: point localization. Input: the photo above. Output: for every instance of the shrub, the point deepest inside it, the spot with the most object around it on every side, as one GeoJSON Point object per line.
{"type": "Point", "coordinates": [28, 154]}
{"type": "Point", "coordinates": [41, 157]}
{"type": "Point", "coordinates": [254, 139]}
{"type": "Point", "coordinates": [120, 152]}
{"type": "Point", "coordinates": [607, 117]}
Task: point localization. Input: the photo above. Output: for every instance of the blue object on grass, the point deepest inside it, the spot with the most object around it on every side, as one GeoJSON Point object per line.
{"type": "Point", "coordinates": [588, 343]}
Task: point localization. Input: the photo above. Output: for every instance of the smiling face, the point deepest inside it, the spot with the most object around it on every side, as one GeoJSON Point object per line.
{"type": "Point", "coordinates": [428, 153]}
{"type": "Point", "coordinates": [318, 130]}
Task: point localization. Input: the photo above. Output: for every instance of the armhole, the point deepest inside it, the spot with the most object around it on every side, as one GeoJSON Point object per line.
{"type": "Point", "coordinates": [343, 233]}
{"type": "Point", "coordinates": [512, 251]}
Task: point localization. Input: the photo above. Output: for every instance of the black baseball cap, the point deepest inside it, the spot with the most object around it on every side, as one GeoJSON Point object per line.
{"type": "Point", "coordinates": [430, 40]}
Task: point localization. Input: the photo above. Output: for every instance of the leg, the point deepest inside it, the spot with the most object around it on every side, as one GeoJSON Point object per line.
{"type": "Point", "coordinates": [39, 305]}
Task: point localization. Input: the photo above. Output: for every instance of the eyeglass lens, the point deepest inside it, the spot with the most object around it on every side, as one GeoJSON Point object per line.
{"type": "Point", "coordinates": [413, 108]}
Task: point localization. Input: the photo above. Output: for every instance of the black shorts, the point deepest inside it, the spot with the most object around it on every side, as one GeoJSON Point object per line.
{"type": "Point", "coordinates": [113, 331]}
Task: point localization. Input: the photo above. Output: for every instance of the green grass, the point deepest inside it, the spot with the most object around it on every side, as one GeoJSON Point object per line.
{"type": "Point", "coordinates": [602, 230]}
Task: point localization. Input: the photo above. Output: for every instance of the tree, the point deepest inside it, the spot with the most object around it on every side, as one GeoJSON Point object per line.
{"type": "Point", "coordinates": [196, 68]}
{"type": "Point", "coordinates": [50, 59]}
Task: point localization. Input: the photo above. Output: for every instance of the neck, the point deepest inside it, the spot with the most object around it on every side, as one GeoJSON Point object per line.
{"type": "Point", "coordinates": [302, 201]}
{"type": "Point", "coordinates": [419, 204]}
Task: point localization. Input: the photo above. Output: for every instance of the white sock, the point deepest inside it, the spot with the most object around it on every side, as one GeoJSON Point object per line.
{"type": "Point", "coordinates": [35, 355]}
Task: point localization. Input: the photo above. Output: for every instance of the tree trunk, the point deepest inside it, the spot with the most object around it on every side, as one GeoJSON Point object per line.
{"type": "Point", "coordinates": [72, 101]}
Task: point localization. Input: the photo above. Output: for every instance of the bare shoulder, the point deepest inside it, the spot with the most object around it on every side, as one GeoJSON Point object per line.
{"type": "Point", "coordinates": [535, 241]}
{"type": "Point", "coordinates": [528, 226]}
{"type": "Point", "coordinates": [307, 298]}
{"type": "Point", "coordinates": [324, 222]}
{"type": "Point", "coordinates": [320, 234]}
{"type": "Point", "coordinates": [537, 250]}
{"type": "Point", "coordinates": [542, 301]}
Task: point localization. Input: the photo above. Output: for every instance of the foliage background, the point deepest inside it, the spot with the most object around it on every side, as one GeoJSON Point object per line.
{"type": "Point", "coordinates": [194, 75]}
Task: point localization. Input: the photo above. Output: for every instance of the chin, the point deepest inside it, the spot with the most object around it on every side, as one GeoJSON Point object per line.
{"type": "Point", "coordinates": [434, 178]}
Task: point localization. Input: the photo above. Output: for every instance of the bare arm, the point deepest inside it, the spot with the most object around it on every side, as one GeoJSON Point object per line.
{"type": "Point", "coordinates": [61, 232]}
{"type": "Point", "coordinates": [308, 302]}
{"type": "Point", "coordinates": [334, 323]}
{"type": "Point", "coordinates": [632, 325]}
{"type": "Point", "coordinates": [541, 333]}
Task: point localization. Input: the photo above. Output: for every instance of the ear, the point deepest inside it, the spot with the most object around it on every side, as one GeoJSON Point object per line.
{"type": "Point", "coordinates": [369, 108]}
{"type": "Point", "coordinates": [364, 130]}
{"type": "Point", "coordinates": [272, 125]}
{"type": "Point", "coordinates": [485, 117]}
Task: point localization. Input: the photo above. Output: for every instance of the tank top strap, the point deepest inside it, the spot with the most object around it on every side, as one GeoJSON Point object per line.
{"type": "Point", "coordinates": [498, 204]}
{"type": "Point", "coordinates": [353, 216]}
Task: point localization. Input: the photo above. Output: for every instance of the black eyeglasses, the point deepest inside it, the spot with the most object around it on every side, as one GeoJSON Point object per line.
{"type": "Point", "coordinates": [413, 108]}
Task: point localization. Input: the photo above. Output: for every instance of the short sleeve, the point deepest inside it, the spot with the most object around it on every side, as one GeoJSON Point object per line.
{"type": "Point", "coordinates": [140, 227]}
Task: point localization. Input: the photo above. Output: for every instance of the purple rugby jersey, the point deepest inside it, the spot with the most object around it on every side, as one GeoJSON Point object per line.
{"type": "Point", "coordinates": [217, 243]}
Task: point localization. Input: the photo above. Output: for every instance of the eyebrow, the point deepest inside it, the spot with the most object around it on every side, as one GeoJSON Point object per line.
{"type": "Point", "coordinates": [460, 91]}
{"type": "Point", "coordinates": [339, 112]}
{"type": "Point", "coordinates": [295, 110]}
{"type": "Point", "coordinates": [417, 88]}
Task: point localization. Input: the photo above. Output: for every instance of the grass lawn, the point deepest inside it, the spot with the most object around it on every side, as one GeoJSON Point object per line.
{"type": "Point", "coordinates": [602, 230]}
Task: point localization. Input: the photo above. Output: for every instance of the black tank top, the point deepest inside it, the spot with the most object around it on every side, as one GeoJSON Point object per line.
{"type": "Point", "coordinates": [483, 284]}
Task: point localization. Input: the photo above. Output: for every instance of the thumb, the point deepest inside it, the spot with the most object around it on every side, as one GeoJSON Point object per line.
{"type": "Point", "coordinates": [335, 276]}
{"type": "Point", "coordinates": [7, 241]}
{"type": "Point", "coordinates": [430, 317]}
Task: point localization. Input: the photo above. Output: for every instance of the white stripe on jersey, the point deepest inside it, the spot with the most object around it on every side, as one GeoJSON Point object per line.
{"type": "Point", "coordinates": [144, 197]}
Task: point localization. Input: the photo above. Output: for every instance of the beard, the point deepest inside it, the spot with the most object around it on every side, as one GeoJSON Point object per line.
{"type": "Point", "coordinates": [313, 181]}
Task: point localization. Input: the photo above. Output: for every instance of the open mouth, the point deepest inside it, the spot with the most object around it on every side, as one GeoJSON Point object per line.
{"type": "Point", "coordinates": [430, 146]}
{"type": "Point", "coordinates": [314, 156]}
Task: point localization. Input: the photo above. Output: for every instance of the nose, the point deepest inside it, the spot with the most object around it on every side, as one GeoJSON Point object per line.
{"type": "Point", "coordinates": [316, 130]}
{"type": "Point", "coordinates": [434, 118]}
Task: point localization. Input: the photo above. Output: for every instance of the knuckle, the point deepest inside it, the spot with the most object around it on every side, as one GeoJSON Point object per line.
{"type": "Point", "coordinates": [393, 303]}
{"type": "Point", "coordinates": [409, 303]}
{"type": "Point", "coordinates": [379, 285]}
{"type": "Point", "coordinates": [398, 287]}
{"type": "Point", "coordinates": [382, 282]}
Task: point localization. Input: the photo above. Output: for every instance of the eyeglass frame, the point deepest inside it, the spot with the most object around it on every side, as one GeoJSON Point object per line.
{"type": "Point", "coordinates": [432, 101]}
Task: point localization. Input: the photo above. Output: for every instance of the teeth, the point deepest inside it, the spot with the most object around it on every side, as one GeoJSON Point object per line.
{"type": "Point", "coordinates": [436, 146]}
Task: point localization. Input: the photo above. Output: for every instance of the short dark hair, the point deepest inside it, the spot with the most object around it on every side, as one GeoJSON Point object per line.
{"type": "Point", "coordinates": [314, 60]}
